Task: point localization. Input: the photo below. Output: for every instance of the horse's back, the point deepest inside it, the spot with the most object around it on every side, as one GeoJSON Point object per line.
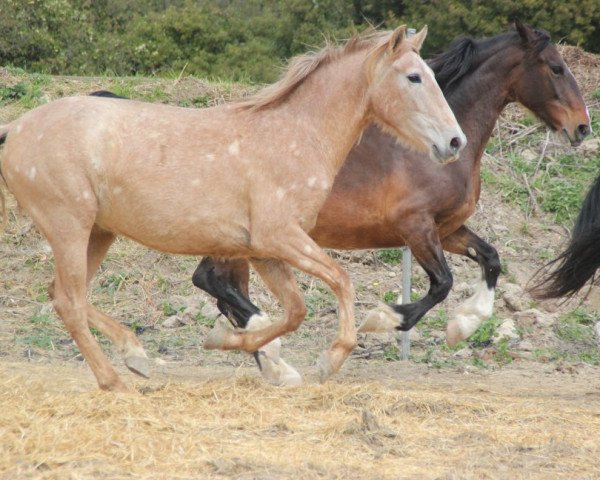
{"type": "Point", "coordinates": [133, 168]}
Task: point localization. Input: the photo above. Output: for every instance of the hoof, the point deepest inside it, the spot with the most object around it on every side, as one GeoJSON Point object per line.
{"type": "Point", "coordinates": [382, 319]}
{"type": "Point", "coordinates": [217, 336]}
{"type": "Point", "coordinates": [453, 333]}
{"type": "Point", "coordinates": [116, 386]}
{"type": "Point", "coordinates": [325, 367]}
{"type": "Point", "coordinates": [279, 372]}
{"type": "Point", "coordinates": [138, 365]}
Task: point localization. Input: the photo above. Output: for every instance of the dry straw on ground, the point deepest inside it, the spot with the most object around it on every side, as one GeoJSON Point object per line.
{"type": "Point", "coordinates": [60, 426]}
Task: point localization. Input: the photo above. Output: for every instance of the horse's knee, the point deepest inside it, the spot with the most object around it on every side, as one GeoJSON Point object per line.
{"type": "Point", "coordinates": [441, 285]}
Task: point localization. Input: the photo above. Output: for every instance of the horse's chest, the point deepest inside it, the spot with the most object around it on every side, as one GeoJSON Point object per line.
{"type": "Point", "coordinates": [456, 205]}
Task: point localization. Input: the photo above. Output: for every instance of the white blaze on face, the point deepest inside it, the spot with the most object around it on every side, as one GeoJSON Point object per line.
{"type": "Point", "coordinates": [311, 181]}
{"type": "Point", "coordinates": [32, 173]}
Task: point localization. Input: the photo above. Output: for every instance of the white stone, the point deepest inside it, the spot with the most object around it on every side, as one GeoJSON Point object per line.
{"type": "Point", "coordinates": [173, 322]}
{"type": "Point", "coordinates": [463, 353]}
{"type": "Point", "coordinates": [513, 296]}
{"type": "Point", "coordinates": [507, 329]}
{"type": "Point", "coordinates": [597, 330]}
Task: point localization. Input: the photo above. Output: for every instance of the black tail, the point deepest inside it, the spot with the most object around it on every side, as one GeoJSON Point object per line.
{"type": "Point", "coordinates": [580, 260]}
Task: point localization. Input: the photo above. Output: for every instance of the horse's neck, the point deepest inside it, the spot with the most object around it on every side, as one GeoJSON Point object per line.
{"type": "Point", "coordinates": [330, 105]}
{"type": "Point", "coordinates": [479, 100]}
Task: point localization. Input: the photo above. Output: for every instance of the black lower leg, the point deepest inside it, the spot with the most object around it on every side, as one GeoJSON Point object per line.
{"type": "Point", "coordinates": [441, 283]}
{"type": "Point", "coordinates": [231, 302]}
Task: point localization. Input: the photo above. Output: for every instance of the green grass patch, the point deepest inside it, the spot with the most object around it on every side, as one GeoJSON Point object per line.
{"type": "Point", "coordinates": [202, 320]}
{"type": "Point", "coordinates": [577, 327]}
{"type": "Point", "coordinates": [484, 334]}
{"type": "Point", "coordinates": [391, 353]}
{"type": "Point", "coordinates": [390, 297]}
{"type": "Point", "coordinates": [391, 256]}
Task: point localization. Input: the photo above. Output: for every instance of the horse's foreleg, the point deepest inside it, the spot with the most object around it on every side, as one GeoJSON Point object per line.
{"type": "Point", "coordinates": [227, 281]}
{"type": "Point", "coordinates": [427, 250]}
{"type": "Point", "coordinates": [479, 307]}
{"type": "Point", "coordinates": [303, 253]}
{"type": "Point", "coordinates": [262, 335]}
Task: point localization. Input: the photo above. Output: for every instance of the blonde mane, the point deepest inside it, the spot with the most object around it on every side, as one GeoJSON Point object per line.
{"type": "Point", "coordinates": [302, 66]}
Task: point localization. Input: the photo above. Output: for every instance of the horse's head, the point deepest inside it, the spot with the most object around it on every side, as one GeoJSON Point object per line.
{"type": "Point", "coordinates": [546, 86]}
{"type": "Point", "coordinates": [406, 100]}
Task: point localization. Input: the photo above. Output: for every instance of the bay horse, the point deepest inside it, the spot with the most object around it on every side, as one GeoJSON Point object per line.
{"type": "Point", "coordinates": [237, 180]}
{"type": "Point", "coordinates": [402, 200]}
{"type": "Point", "coordinates": [577, 264]}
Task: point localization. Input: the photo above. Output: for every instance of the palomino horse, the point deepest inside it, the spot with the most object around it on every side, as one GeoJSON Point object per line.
{"type": "Point", "coordinates": [402, 200]}
{"type": "Point", "coordinates": [578, 263]}
{"type": "Point", "coordinates": [243, 180]}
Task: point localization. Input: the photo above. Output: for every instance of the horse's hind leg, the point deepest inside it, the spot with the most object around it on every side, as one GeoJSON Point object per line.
{"type": "Point", "coordinates": [227, 280]}
{"type": "Point", "coordinates": [124, 339]}
{"type": "Point", "coordinates": [480, 305]}
{"type": "Point", "coordinates": [70, 303]}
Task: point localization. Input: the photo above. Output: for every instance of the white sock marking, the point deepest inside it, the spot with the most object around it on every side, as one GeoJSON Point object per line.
{"type": "Point", "coordinates": [382, 319]}
{"type": "Point", "coordinates": [471, 313]}
{"type": "Point", "coordinates": [274, 369]}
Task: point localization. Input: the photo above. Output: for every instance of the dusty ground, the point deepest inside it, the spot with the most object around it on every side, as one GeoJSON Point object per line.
{"type": "Point", "coordinates": [530, 409]}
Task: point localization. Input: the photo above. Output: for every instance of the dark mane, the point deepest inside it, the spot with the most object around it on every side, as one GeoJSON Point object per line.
{"type": "Point", "coordinates": [465, 54]}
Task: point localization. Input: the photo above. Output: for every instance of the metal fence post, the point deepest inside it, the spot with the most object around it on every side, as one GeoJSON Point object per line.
{"type": "Point", "coordinates": [404, 339]}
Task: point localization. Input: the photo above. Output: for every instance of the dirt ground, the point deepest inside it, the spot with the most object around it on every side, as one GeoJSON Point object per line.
{"type": "Point", "coordinates": [471, 412]}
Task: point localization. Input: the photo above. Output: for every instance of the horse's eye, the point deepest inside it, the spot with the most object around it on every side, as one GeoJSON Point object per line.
{"type": "Point", "coordinates": [414, 78]}
{"type": "Point", "coordinates": [557, 69]}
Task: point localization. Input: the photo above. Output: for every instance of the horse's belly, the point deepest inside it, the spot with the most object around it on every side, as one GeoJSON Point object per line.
{"type": "Point", "coordinates": [173, 228]}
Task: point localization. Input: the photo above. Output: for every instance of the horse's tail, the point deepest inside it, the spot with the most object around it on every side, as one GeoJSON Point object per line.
{"type": "Point", "coordinates": [580, 260]}
{"type": "Point", "coordinates": [4, 129]}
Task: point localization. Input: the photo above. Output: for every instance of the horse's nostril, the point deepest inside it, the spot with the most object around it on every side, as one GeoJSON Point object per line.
{"type": "Point", "coordinates": [583, 130]}
{"type": "Point", "coordinates": [455, 144]}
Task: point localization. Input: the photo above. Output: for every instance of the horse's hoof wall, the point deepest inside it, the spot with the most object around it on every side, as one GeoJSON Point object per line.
{"type": "Point", "coordinates": [454, 333]}
{"type": "Point", "coordinates": [139, 365]}
{"type": "Point", "coordinates": [324, 367]}
{"type": "Point", "coordinates": [382, 319]}
{"type": "Point", "coordinates": [278, 372]}
{"type": "Point", "coordinates": [216, 337]}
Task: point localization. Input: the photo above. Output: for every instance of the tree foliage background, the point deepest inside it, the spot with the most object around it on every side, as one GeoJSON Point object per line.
{"type": "Point", "coordinates": [248, 40]}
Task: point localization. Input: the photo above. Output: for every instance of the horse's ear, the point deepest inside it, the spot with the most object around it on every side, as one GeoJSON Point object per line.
{"type": "Point", "coordinates": [418, 38]}
{"type": "Point", "coordinates": [525, 32]}
{"type": "Point", "coordinates": [396, 39]}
